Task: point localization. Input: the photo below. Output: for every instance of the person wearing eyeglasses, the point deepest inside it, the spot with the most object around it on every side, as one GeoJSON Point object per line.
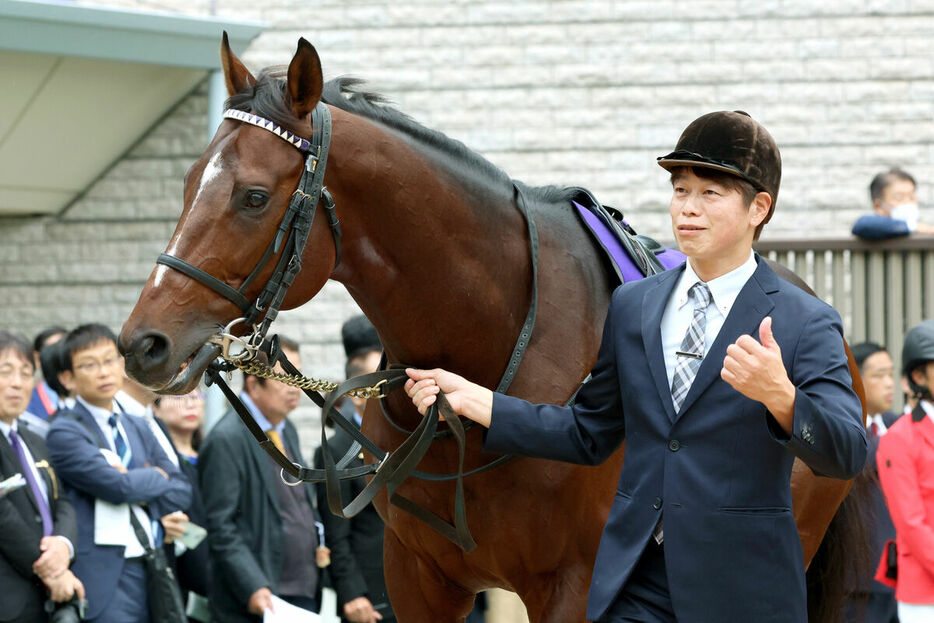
{"type": "Point", "coordinates": [112, 469]}
{"type": "Point", "coordinates": [37, 523]}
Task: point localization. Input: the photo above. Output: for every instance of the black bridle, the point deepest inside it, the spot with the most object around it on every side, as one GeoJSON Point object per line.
{"type": "Point", "coordinates": [289, 242]}
{"type": "Point", "coordinates": [291, 235]}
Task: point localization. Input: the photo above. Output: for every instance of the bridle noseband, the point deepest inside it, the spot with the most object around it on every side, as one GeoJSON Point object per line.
{"type": "Point", "coordinates": [292, 233]}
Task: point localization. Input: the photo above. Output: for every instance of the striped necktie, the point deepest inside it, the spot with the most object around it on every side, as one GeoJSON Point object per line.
{"type": "Point", "coordinates": [120, 445]}
{"type": "Point", "coordinates": [692, 347]}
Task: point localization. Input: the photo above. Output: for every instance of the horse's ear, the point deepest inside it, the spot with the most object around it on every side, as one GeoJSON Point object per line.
{"type": "Point", "coordinates": [305, 79]}
{"type": "Point", "coordinates": [237, 76]}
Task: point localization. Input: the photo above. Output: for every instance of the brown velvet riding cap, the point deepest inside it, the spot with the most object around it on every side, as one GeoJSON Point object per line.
{"type": "Point", "coordinates": [732, 142]}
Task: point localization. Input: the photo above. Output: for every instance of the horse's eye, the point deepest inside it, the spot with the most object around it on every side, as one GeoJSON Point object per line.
{"type": "Point", "coordinates": [255, 199]}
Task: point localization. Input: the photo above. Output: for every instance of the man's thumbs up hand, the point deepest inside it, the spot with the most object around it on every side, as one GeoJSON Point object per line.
{"type": "Point", "coordinates": [756, 371]}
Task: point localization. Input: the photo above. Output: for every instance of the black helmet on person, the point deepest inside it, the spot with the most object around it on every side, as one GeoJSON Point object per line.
{"type": "Point", "coordinates": [732, 142]}
{"type": "Point", "coordinates": [917, 350]}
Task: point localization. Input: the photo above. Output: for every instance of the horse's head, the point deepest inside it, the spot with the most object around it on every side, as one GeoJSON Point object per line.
{"type": "Point", "coordinates": [236, 196]}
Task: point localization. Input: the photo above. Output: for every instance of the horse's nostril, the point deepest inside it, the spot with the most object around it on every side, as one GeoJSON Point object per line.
{"type": "Point", "coordinates": [151, 349]}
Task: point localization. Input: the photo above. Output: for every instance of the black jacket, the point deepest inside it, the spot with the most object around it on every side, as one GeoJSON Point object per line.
{"type": "Point", "coordinates": [356, 544]}
{"type": "Point", "coordinates": [21, 528]}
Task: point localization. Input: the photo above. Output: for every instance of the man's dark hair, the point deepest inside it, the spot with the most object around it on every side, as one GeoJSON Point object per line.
{"type": "Point", "coordinates": [18, 344]}
{"type": "Point", "coordinates": [43, 336]}
{"type": "Point", "coordinates": [865, 350]}
{"type": "Point", "coordinates": [83, 337]}
{"type": "Point", "coordinates": [52, 361]}
{"type": "Point", "coordinates": [885, 179]}
{"type": "Point", "coordinates": [285, 343]}
{"type": "Point", "coordinates": [359, 336]}
{"type": "Point", "coordinates": [746, 190]}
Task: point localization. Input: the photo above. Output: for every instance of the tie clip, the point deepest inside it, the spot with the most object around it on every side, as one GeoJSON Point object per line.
{"type": "Point", "coordinates": [681, 353]}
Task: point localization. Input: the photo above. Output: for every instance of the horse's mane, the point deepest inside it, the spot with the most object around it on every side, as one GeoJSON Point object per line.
{"type": "Point", "coordinates": [267, 99]}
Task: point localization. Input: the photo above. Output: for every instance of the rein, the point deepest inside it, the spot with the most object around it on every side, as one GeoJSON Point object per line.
{"type": "Point", "coordinates": [394, 467]}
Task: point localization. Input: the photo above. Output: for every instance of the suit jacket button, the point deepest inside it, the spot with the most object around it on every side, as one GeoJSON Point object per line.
{"type": "Point", "coordinates": [674, 445]}
{"type": "Point", "coordinates": [657, 504]}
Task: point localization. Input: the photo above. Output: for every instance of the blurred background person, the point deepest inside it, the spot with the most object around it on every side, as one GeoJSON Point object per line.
{"type": "Point", "coordinates": [356, 544]}
{"type": "Point", "coordinates": [874, 602]}
{"type": "Point", "coordinates": [38, 528]}
{"type": "Point", "coordinates": [182, 417]}
{"type": "Point", "coordinates": [905, 459]}
{"type": "Point", "coordinates": [260, 531]}
{"type": "Point", "coordinates": [894, 208]}
{"type": "Point", "coordinates": [44, 401]}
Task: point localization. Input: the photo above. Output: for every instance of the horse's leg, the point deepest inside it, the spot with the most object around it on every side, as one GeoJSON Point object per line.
{"type": "Point", "coordinates": [418, 592]}
{"type": "Point", "coordinates": [557, 598]}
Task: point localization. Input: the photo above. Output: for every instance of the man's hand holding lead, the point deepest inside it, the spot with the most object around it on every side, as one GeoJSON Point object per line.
{"type": "Point", "coordinates": [755, 369]}
{"type": "Point", "coordinates": [470, 400]}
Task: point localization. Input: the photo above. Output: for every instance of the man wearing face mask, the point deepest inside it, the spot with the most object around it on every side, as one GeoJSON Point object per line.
{"type": "Point", "coordinates": [895, 208]}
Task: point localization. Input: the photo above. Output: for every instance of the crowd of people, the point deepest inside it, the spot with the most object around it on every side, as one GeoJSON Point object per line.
{"type": "Point", "coordinates": [97, 472]}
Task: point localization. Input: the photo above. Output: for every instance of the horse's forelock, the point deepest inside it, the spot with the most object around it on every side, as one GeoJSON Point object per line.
{"type": "Point", "coordinates": [267, 98]}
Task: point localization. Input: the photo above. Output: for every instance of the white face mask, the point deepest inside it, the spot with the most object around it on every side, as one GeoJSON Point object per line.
{"type": "Point", "coordinates": [907, 212]}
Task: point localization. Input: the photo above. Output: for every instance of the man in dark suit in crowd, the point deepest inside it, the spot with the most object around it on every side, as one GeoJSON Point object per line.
{"type": "Point", "coordinates": [701, 527]}
{"type": "Point", "coordinates": [112, 468]}
{"type": "Point", "coordinates": [356, 544]}
{"type": "Point", "coordinates": [37, 523]}
{"type": "Point", "coordinates": [875, 602]}
{"type": "Point", "coordinates": [261, 532]}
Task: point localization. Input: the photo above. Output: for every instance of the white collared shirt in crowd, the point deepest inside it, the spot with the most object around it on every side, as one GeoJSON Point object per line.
{"type": "Point", "coordinates": [102, 418]}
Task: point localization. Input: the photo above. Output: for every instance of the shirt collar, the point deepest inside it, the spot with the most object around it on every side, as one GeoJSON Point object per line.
{"type": "Point", "coordinates": [723, 290]}
{"type": "Point", "coordinates": [6, 428]}
{"type": "Point", "coordinates": [101, 416]}
{"type": "Point", "coordinates": [261, 420]}
{"type": "Point", "coordinates": [928, 408]}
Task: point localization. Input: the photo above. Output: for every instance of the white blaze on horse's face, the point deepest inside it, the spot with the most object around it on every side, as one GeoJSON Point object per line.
{"type": "Point", "coordinates": [210, 172]}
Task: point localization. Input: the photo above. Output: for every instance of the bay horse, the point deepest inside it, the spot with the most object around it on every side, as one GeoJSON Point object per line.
{"type": "Point", "coordinates": [436, 254]}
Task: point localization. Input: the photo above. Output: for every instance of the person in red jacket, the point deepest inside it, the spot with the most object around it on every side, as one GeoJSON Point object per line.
{"type": "Point", "coordinates": [906, 471]}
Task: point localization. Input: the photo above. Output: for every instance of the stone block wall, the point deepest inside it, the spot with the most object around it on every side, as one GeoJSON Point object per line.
{"type": "Point", "coordinates": [561, 92]}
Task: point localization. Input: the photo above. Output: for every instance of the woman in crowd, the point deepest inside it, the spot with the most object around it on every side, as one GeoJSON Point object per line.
{"type": "Point", "coordinates": [182, 417]}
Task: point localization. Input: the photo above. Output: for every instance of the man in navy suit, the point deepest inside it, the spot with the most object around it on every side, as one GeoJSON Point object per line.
{"type": "Point", "coordinates": [701, 527]}
{"type": "Point", "coordinates": [112, 466]}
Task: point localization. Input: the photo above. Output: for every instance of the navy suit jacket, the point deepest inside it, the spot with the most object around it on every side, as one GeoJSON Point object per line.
{"type": "Point", "coordinates": [74, 443]}
{"type": "Point", "coordinates": [720, 468]}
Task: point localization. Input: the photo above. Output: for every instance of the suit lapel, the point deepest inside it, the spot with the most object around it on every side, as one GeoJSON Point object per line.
{"type": "Point", "coordinates": [750, 307]}
{"type": "Point", "coordinates": [653, 308]}
{"type": "Point", "coordinates": [262, 462]}
{"type": "Point", "coordinates": [9, 456]}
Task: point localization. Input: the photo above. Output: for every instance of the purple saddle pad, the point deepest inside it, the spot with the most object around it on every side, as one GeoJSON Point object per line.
{"type": "Point", "coordinates": [615, 250]}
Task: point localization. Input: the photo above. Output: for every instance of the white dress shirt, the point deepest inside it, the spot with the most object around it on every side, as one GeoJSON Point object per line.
{"type": "Point", "coordinates": [129, 404]}
{"type": "Point", "coordinates": [679, 313]}
{"type": "Point", "coordinates": [102, 418]}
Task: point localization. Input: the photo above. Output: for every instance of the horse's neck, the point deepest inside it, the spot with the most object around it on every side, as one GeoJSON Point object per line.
{"type": "Point", "coordinates": [444, 279]}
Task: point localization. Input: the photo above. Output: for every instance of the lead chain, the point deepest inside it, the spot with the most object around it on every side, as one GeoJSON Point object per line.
{"type": "Point", "coordinates": [256, 368]}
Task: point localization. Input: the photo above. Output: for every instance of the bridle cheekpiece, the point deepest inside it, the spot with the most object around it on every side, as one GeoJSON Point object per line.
{"type": "Point", "coordinates": [288, 242]}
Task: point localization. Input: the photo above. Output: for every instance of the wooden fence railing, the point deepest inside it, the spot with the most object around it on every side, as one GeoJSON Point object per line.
{"type": "Point", "coordinates": [881, 289]}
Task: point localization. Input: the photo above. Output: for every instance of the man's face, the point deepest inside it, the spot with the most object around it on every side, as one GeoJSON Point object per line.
{"type": "Point", "coordinates": [879, 382]}
{"type": "Point", "coordinates": [274, 399]}
{"type": "Point", "coordinates": [895, 194]}
{"type": "Point", "coordinates": [96, 373]}
{"type": "Point", "coordinates": [711, 223]}
{"type": "Point", "coordinates": [16, 383]}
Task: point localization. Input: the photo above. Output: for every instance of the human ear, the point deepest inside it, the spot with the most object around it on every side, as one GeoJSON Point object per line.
{"type": "Point", "coordinates": [760, 208]}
